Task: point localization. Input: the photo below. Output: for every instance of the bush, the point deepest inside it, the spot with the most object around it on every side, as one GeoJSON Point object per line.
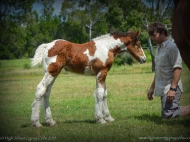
{"type": "Point", "coordinates": [123, 60]}
{"type": "Point", "coordinates": [118, 61]}
{"type": "Point", "coordinates": [27, 66]}
{"type": "Point", "coordinates": [130, 61]}
{"type": "Point", "coordinates": [148, 56]}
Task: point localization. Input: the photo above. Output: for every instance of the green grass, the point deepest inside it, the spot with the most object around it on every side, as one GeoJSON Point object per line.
{"type": "Point", "coordinates": [72, 106]}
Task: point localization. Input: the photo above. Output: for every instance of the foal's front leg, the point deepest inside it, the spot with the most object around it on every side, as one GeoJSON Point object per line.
{"type": "Point", "coordinates": [101, 109]}
{"type": "Point", "coordinates": [98, 95]}
{"type": "Point", "coordinates": [106, 113]}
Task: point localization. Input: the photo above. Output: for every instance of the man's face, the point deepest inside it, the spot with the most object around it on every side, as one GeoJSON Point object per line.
{"type": "Point", "coordinates": [156, 37]}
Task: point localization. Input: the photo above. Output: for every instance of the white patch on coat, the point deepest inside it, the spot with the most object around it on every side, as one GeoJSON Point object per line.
{"type": "Point", "coordinates": [48, 47]}
{"type": "Point", "coordinates": [107, 41]}
{"type": "Point", "coordinates": [42, 52]}
{"type": "Point", "coordinates": [103, 45]}
{"type": "Point", "coordinates": [100, 53]}
{"type": "Point", "coordinates": [48, 60]}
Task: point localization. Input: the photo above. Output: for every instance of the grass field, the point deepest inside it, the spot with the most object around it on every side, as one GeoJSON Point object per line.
{"type": "Point", "coordinates": [72, 105]}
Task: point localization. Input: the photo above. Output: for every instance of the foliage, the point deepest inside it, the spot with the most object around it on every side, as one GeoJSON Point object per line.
{"type": "Point", "coordinates": [27, 66]}
{"type": "Point", "coordinates": [74, 32]}
{"type": "Point", "coordinates": [124, 59]}
{"type": "Point", "coordinates": [148, 56]}
{"type": "Point", "coordinates": [24, 29]}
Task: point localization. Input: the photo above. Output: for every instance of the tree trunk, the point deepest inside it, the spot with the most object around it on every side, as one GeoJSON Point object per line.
{"type": "Point", "coordinates": [150, 45]}
{"type": "Point", "coordinates": [152, 54]}
{"type": "Point", "coordinates": [90, 32]}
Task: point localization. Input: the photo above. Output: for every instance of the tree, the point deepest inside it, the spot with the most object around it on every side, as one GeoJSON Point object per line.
{"type": "Point", "coordinates": [160, 11]}
{"type": "Point", "coordinates": [94, 13]}
{"type": "Point", "coordinates": [48, 8]}
{"type": "Point", "coordinates": [119, 12]}
{"type": "Point", "coordinates": [85, 13]}
{"type": "Point", "coordinates": [12, 17]}
{"type": "Point", "coordinates": [145, 23]}
{"type": "Point", "coordinates": [22, 29]}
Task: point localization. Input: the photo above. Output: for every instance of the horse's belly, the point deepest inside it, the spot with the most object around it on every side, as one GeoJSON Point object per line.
{"type": "Point", "coordinates": [88, 71]}
{"type": "Point", "coordinates": [85, 71]}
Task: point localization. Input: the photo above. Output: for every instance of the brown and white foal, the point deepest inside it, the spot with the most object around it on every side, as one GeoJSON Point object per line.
{"type": "Point", "coordinates": [92, 58]}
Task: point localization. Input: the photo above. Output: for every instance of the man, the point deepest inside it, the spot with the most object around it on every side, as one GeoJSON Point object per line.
{"type": "Point", "coordinates": [167, 83]}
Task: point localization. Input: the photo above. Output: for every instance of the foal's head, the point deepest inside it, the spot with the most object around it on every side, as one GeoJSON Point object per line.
{"type": "Point", "coordinates": [132, 45]}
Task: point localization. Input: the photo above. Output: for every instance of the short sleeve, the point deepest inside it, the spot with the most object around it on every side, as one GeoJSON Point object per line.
{"type": "Point", "coordinates": [175, 57]}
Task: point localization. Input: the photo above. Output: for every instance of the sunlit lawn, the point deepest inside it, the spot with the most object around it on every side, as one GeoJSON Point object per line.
{"type": "Point", "coordinates": [72, 105]}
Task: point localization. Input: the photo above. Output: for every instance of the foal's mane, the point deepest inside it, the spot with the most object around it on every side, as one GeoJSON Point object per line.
{"type": "Point", "coordinates": [118, 34]}
{"type": "Point", "coordinates": [121, 34]}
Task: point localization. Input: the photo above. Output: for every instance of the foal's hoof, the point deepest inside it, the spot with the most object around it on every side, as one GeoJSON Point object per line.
{"type": "Point", "coordinates": [38, 125]}
{"type": "Point", "coordinates": [110, 119]}
{"type": "Point", "coordinates": [101, 121]}
{"type": "Point", "coordinates": [52, 123]}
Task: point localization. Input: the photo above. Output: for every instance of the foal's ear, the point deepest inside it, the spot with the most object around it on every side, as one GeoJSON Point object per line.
{"type": "Point", "coordinates": [135, 35]}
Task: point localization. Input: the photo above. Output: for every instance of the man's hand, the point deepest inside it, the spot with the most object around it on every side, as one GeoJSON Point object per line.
{"type": "Point", "coordinates": [149, 94]}
{"type": "Point", "coordinates": [170, 95]}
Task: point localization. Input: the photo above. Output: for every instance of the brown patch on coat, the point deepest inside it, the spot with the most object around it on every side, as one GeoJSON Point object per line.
{"type": "Point", "coordinates": [124, 37]}
{"type": "Point", "coordinates": [96, 65]}
{"type": "Point", "coordinates": [103, 69]}
{"type": "Point", "coordinates": [102, 77]}
{"type": "Point", "coordinates": [116, 50]}
{"type": "Point", "coordinates": [132, 43]}
{"type": "Point", "coordinates": [110, 59]}
{"type": "Point", "coordinates": [54, 69]}
{"type": "Point", "coordinates": [70, 56]}
{"type": "Point", "coordinates": [133, 50]}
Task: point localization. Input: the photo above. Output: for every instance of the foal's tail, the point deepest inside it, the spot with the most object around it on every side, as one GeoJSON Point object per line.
{"type": "Point", "coordinates": [38, 55]}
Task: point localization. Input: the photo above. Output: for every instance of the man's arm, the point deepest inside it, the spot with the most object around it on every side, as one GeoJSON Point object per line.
{"type": "Point", "coordinates": [176, 78]}
{"type": "Point", "coordinates": [151, 90]}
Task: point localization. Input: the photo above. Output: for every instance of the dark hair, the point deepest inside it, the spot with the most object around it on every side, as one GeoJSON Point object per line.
{"type": "Point", "coordinates": [120, 34]}
{"type": "Point", "coordinates": [157, 27]}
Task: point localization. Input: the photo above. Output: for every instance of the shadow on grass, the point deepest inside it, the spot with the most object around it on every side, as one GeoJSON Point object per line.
{"type": "Point", "coordinates": [79, 121]}
{"type": "Point", "coordinates": [25, 125]}
{"type": "Point", "coordinates": [29, 125]}
{"type": "Point", "coordinates": [59, 122]}
{"type": "Point", "coordinates": [44, 124]}
{"type": "Point", "coordinates": [185, 121]}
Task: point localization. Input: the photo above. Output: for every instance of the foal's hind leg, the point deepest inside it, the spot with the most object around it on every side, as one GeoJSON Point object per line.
{"type": "Point", "coordinates": [40, 91]}
{"type": "Point", "coordinates": [47, 112]}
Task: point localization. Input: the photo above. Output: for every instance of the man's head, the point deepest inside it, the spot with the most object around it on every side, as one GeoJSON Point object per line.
{"type": "Point", "coordinates": [158, 32]}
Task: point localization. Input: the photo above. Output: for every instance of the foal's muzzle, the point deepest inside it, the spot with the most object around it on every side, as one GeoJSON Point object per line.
{"type": "Point", "coordinates": [143, 59]}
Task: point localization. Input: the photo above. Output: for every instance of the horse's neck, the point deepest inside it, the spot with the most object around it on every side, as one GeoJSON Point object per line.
{"type": "Point", "coordinates": [107, 41]}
